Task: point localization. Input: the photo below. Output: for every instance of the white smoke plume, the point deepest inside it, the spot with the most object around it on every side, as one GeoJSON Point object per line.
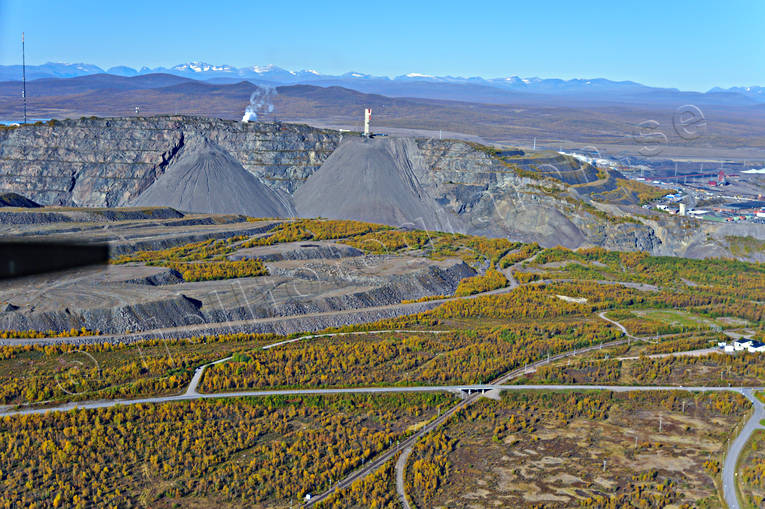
{"type": "Point", "coordinates": [260, 103]}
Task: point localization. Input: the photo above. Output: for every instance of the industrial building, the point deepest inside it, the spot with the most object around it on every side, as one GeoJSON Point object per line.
{"type": "Point", "coordinates": [742, 345]}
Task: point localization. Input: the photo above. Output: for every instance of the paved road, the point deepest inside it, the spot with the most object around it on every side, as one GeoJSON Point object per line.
{"type": "Point", "coordinates": [192, 389]}
{"type": "Point", "coordinates": [187, 396]}
{"type": "Point", "coordinates": [400, 481]}
{"type": "Point", "coordinates": [470, 389]}
{"type": "Point", "coordinates": [729, 473]}
{"type": "Point", "coordinates": [620, 326]}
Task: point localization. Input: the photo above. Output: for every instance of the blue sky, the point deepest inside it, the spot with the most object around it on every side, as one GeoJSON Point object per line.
{"type": "Point", "coordinates": [692, 45]}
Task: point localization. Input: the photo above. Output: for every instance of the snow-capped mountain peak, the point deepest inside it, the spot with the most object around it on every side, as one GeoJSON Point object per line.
{"type": "Point", "coordinates": [202, 67]}
{"type": "Point", "coordinates": [457, 87]}
{"type": "Point", "coordinates": [263, 69]}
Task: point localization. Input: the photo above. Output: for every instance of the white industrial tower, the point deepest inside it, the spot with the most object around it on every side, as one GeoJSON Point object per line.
{"type": "Point", "coordinates": [367, 118]}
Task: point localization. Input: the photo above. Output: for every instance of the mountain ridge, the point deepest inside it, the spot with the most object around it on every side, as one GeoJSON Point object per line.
{"type": "Point", "coordinates": [279, 75]}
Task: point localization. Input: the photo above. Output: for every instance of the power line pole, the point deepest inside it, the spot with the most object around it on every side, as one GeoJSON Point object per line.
{"type": "Point", "coordinates": [24, 76]}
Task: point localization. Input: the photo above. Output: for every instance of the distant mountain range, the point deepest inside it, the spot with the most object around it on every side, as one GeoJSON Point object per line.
{"type": "Point", "coordinates": [493, 90]}
{"type": "Point", "coordinates": [509, 117]}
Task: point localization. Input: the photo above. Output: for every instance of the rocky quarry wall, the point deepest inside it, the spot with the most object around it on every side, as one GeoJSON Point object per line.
{"type": "Point", "coordinates": [441, 184]}
{"type": "Point", "coordinates": [97, 162]}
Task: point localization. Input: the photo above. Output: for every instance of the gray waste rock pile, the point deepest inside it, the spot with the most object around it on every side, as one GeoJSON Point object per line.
{"type": "Point", "coordinates": [206, 179]}
{"type": "Point", "coordinates": [373, 180]}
